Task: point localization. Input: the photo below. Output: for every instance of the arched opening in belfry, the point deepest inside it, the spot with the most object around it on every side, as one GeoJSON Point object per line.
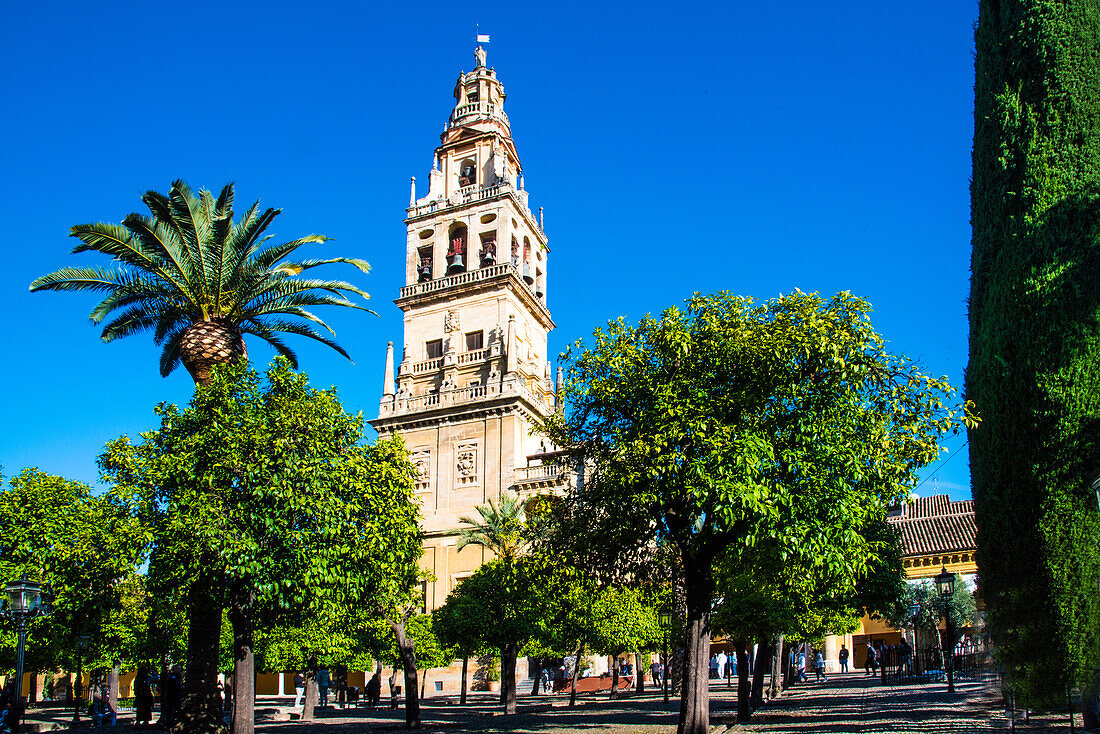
{"type": "Point", "coordinates": [456, 249]}
{"type": "Point", "coordinates": [467, 173]}
{"type": "Point", "coordinates": [527, 261]}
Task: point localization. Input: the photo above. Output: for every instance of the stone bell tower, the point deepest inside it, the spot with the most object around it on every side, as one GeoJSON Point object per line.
{"type": "Point", "coordinates": [473, 377]}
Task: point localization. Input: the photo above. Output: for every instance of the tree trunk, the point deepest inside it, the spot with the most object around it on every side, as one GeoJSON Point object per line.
{"type": "Point", "coordinates": [744, 687]}
{"type": "Point", "coordinates": [576, 674]}
{"type": "Point", "coordinates": [112, 685]}
{"type": "Point", "coordinates": [198, 708]}
{"type": "Point", "coordinates": [695, 696]}
{"type": "Point", "coordinates": [309, 703]}
{"type": "Point", "coordinates": [244, 669]}
{"type": "Point", "coordinates": [465, 666]}
{"type": "Point", "coordinates": [759, 670]}
{"type": "Point", "coordinates": [777, 667]}
{"type": "Point", "coordinates": [614, 677]}
{"type": "Point", "coordinates": [508, 655]}
{"type": "Point", "coordinates": [639, 677]}
{"type": "Point", "coordinates": [538, 681]}
{"type": "Point", "coordinates": [406, 650]}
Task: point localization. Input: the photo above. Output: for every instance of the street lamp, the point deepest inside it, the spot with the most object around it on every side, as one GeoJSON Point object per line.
{"type": "Point", "coordinates": [945, 586]}
{"type": "Point", "coordinates": [914, 614]}
{"type": "Point", "coordinates": [83, 642]}
{"type": "Point", "coordinates": [664, 618]}
{"type": "Point", "coordinates": [23, 601]}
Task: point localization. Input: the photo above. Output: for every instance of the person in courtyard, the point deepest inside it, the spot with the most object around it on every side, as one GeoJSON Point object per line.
{"type": "Point", "coordinates": [905, 657]}
{"type": "Point", "coordinates": [842, 658]}
{"type": "Point", "coordinates": [655, 671]}
{"type": "Point", "coordinates": [299, 688]}
{"type": "Point", "coordinates": [374, 690]}
{"type": "Point", "coordinates": [819, 667]}
{"type": "Point", "coordinates": [872, 659]}
{"type": "Point", "coordinates": [323, 683]}
{"type": "Point", "coordinates": [713, 665]}
{"type": "Point", "coordinates": [170, 698]}
{"type": "Point", "coordinates": [723, 664]}
{"type": "Point", "coordinates": [801, 665]}
{"type": "Point", "coordinates": [143, 697]}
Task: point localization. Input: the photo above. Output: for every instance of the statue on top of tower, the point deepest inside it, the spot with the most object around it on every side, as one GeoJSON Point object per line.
{"type": "Point", "coordinates": [479, 57]}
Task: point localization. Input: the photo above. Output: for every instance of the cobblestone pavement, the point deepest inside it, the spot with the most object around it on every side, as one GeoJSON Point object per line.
{"type": "Point", "coordinates": [845, 704]}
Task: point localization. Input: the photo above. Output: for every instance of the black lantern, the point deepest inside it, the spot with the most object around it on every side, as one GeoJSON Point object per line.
{"type": "Point", "coordinates": [24, 599]}
{"type": "Point", "coordinates": [664, 617]}
{"type": "Point", "coordinates": [914, 610]}
{"type": "Point", "coordinates": [945, 583]}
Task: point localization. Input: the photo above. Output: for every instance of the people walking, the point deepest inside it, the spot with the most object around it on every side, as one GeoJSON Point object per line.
{"type": "Point", "coordinates": [299, 688]}
{"type": "Point", "coordinates": [842, 658]}
{"type": "Point", "coordinates": [801, 666]}
{"type": "Point", "coordinates": [872, 660]}
{"type": "Point", "coordinates": [819, 667]}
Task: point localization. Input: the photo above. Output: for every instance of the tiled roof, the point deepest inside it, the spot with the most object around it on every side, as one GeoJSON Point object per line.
{"type": "Point", "coordinates": [936, 525]}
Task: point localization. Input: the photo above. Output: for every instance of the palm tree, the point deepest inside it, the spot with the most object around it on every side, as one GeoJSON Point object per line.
{"type": "Point", "coordinates": [502, 529]}
{"type": "Point", "coordinates": [201, 281]}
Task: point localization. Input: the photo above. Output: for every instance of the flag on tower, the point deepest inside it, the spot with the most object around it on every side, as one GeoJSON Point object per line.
{"type": "Point", "coordinates": [483, 38]}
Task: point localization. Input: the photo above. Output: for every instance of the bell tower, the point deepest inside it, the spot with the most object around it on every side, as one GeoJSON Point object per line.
{"type": "Point", "coordinates": [473, 377]}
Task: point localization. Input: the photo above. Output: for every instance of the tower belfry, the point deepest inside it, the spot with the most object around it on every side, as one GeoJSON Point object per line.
{"type": "Point", "coordinates": [474, 376]}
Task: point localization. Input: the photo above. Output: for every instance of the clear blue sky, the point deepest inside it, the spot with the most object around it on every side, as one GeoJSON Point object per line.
{"type": "Point", "coordinates": [753, 147]}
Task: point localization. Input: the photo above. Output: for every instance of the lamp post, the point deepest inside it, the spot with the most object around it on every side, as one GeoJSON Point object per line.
{"type": "Point", "coordinates": [83, 642]}
{"type": "Point", "coordinates": [914, 614]}
{"type": "Point", "coordinates": [23, 601]}
{"type": "Point", "coordinates": [664, 618]}
{"type": "Point", "coordinates": [945, 586]}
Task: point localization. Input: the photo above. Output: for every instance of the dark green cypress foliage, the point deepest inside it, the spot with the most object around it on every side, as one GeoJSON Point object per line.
{"type": "Point", "coordinates": [1034, 369]}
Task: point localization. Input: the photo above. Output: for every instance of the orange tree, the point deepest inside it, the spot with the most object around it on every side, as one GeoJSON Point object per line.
{"type": "Point", "coordinates": [732, 421]}
{"type": "Point", "coordinates": [263, 491]}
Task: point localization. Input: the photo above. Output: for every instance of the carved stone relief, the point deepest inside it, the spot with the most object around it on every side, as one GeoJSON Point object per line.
{"type": "Point", "coordinates": [466, 464]}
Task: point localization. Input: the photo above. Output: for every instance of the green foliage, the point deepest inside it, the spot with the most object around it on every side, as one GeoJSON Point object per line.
{"type": "Point", "coordinates": [190, 262]}
{"type": "Point", "coordinates": [623, 620]}
{"type": "Point", "coordinates": [266, 485]}
{"type": "Point", "coordinates": [958, 608]}
{"type": "Point", "coordinates": [1034, 370]}
{"type": "Point", "coordinates": [736, 421]}
{"type": "Point", "coordinates": [501, 529]}
{"type": "Point", "coordinates": [505, 602]}
{"type": "Point", "coordinates": [87, 549]}
{"type": "Point", "coordinates": [736, 428]}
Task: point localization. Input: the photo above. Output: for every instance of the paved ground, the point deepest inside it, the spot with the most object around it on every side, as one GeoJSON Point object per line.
{"type": "Point", "coordinates": [845, 704]}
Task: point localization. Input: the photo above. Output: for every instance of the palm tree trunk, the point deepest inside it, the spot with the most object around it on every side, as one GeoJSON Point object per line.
{"type": "Point", "coordinates": [639, 677]}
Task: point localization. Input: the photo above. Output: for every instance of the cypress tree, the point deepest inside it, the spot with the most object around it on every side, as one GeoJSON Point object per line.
{"type": "Point", "coordinates": [1034, 371]}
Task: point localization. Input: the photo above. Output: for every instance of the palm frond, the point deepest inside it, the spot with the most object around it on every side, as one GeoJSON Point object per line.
{"type": "Point", "coordinates": [166, 257]}
{"type": "Point", "coordinates": [129, 322]}
{"type": "Point", "coordinates": [289, 327]}
{"type": "Point", "coordinates": [187, 212]}
{"type": "Point", "coordinates": [79, 279]}
{"type": "Point", "coordinates": [170, 356]}
{"type": "Point", "coordinates": [273, 339]}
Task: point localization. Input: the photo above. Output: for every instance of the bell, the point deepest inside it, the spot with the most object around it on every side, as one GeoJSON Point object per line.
{"type": "Point", "coordinates": [538, 291]}
{"type": "Point", "coordinates": [527, 274]}
{"type": "Point", "coordinates": [425, 273]}
{"type": "Point", "coordinates": [455, 264]}
{"type": "Point", "coordinates": [487, 259]}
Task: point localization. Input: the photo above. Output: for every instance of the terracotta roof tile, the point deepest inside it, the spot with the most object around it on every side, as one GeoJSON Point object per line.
{"type": "Point", "coordinates": [936, 525]}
